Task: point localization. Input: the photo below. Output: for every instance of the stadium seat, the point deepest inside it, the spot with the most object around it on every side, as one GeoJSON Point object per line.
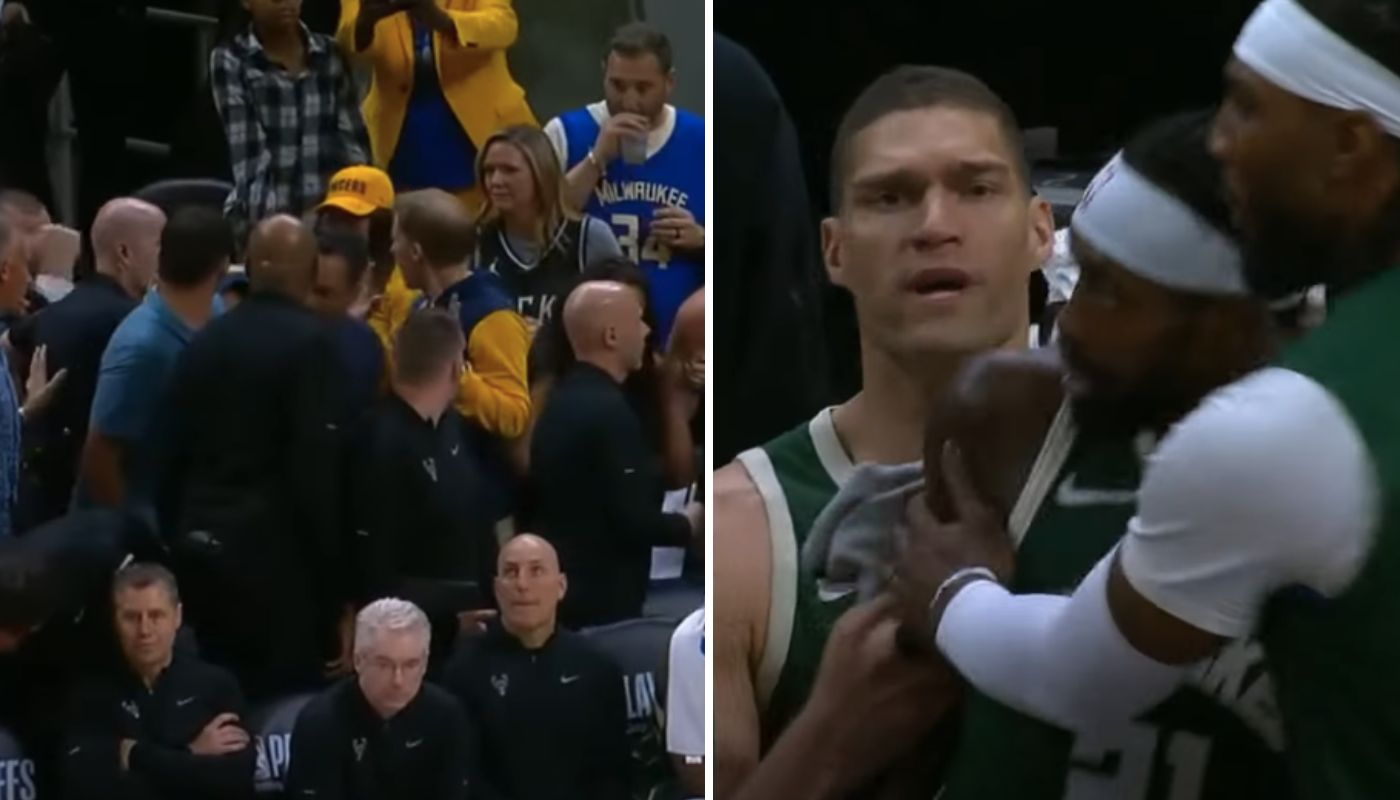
{"type": "Point", "coordinates": [172, 194]}
{"type": "Point", "coordinates": [271, 726]}
{"type": "Point", "coordinates": [673, 599]}
{"type": "Point", "coordinates": [641, 648]}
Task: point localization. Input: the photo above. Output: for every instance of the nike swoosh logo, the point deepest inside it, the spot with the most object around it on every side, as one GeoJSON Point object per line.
{"type": "Point", "coordinates": [360, 532]}
{"type": "Point", "coordinates": [629, 472]}
{"type": "Point", "coordinates": [568, 678]}
{"type": "Point", "coordinates": [412, 744]}
{"type": "Point", "coordinates": [1071, 496]}
{"type": "Point", "coordinates": [183, 703]}
{"type": "Point", "coordinates": [830, 592]}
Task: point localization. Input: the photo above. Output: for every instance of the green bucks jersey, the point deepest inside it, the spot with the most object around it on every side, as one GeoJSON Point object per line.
{"type": "Point", "coordinates": [797, 475]}
{"type": "Point", "coordinates": [1337, 658]}
{"type": "Point", "coordinates": [1218, 739]}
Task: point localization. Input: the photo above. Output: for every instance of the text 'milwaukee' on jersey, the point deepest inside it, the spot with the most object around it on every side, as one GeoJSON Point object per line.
{"type": "Point", "coordinates": [1219, 737]}
{"type": "Point", "coordinates": [538, 285]}
{"type": "Point", "coordinates": [629, 194]}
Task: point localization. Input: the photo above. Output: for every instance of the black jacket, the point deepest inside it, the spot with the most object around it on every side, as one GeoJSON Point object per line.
{"type": "Point", "coordinates": [343, 750]}
{"type": "Point", "coordinates": [421, 523]}
{"type": "Point", "coordinates": [163, 721]}
{"type": "Point", "coordinates": [76, 330]}
{"type": "Point", "coordinates": [598, 493]}
{"type": "Point", "coordinates": [552, 722]}
{"type": "Point", "coordinates": [253, 492]}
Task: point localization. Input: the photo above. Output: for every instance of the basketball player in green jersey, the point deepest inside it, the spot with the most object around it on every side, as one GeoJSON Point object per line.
{"type": "Point", "coordinates": [935, 232]}
{"type": "Point", "coordinates": [1160, 317]}
{"type": "Point", "coordinates": [1272, 507]}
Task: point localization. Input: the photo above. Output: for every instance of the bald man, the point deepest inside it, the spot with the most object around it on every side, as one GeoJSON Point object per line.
{"type": "Point", "coordinates": [128, 432]}
{"type": "Point", "coordinates": [598, 488]}
{"type": "Point", "coordinates": [548, 707]}
{"type": "Point", "coordinates": [74, 332]}
{"type": "Point", "coordinates": [255, 500]}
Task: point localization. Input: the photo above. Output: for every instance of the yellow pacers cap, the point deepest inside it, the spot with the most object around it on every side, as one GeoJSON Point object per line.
{"type": "Point", "coordinates": [359, 190]}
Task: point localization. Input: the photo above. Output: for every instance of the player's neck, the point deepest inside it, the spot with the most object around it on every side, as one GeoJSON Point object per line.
{"type": "Point", "coordinates": [884, 423]}
{"type": "Point", "coordinates": [281, 43]}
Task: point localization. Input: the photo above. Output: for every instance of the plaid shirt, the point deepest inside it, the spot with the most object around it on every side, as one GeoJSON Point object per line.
{"type": "Point", "coordinates": [286, 134]}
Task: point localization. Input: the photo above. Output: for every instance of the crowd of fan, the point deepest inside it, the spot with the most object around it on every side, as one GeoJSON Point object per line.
{"type": "Point", "coordinates": [352, 486]}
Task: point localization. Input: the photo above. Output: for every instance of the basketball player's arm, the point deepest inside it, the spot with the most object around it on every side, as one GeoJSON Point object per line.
{"type": "Point", "coordinates": [742, 565]}
{"type": "Point", "coordinates": [1267, 485]}
{"type": "Point", "coordinates": [583, 177]}
{"type": "Point", "coordinates": [493, 389]}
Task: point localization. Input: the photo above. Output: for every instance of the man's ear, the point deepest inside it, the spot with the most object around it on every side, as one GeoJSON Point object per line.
{"type": "Point", "coordinates": [563, 585]}
{"type": "Point", "coordinates": [179, 615]}
{"type": "Point", "coordinates": [1041, 231]}
{"type": "Point", "coordinates": [610, 337]}
{"type": "Point", "coordinates": [831, 251]}
{"type": "Point", "coordinates": [1363, 159]}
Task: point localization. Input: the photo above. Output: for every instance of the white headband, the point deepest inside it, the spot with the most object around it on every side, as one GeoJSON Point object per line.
{"type": "Point", "coordinates": [1153, 234]}
{"type": "Point", "coordinates": [1299, 54]}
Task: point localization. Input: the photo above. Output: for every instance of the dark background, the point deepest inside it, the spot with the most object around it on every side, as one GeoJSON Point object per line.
{"type": "Point", "coordinates": [1095, 70]}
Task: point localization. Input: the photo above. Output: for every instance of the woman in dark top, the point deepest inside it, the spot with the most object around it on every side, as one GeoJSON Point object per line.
{"type": "Point", "coordinates": [527, 233]}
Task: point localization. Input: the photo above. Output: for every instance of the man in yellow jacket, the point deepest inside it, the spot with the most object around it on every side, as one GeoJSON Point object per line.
{"type": "Point", "coordinates": [440, 85]}
{"type": "Point", "coordinates": [433, 243]}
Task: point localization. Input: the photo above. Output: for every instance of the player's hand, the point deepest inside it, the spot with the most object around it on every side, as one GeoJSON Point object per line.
{"type": "Point", "coordinates": [56, 249]}
{"type": "Point", "coordinates": [39, 389]}
{"type": "Point", "coordinates": [877, 702]}
{"type": "Point", "coordinates": [677, 229]}
{"type": "Point", "coordinates": [608, 146]}
{"type": "Point", "coordinates": [221, 736]}
{"type": "Point", "coordinates": [932, 550]}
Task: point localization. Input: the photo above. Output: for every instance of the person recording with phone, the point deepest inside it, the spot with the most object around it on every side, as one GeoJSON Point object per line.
{"type": "Point", "coordinates": [432, 105]}
{"type": "Point", "coordinates": [638, 163]}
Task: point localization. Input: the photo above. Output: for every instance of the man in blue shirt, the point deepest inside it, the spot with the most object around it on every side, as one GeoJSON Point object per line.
{"type": "Point", "coordinates": [122, 455]}
{"type": "Point", "coordinates": [638, 163]}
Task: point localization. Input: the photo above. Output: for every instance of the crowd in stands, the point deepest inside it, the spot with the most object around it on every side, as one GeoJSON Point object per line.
{"type": "Point", "coordinates": [353, 486]}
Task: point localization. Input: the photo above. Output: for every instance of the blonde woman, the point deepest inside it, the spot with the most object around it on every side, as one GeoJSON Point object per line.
{"type": "Point", "coordinates": [527, 234]}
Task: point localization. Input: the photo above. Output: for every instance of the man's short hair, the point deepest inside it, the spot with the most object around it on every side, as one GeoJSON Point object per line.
{"type": "Point", "coordinates": [349, 246]}
{"type": "Point", "coordinates": [916, 87]}
{"type": "Point", "coordinates": [143, 575]}
{"type": "Point", "coordinates": [428, 341]}
{"type": "Point", "coordinates": [389, 614]}
{"type": "Point", "coordinates": [444, 230]}
{"type": "Point", "coordinates": [22, 201]}
{"type": "Point", "coordinates": [638, 39]}
{"type": "Point", "coordinates": [195, 245]}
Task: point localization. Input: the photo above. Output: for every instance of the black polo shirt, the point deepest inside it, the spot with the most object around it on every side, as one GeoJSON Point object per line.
{"type": "Point", "coordinates": [421, 514]}
{"type": "Point", "coordinates": [598, 491]}
{"type": "Point", "coordinates": [343, 750]}
{"type": "Point", "coordinates": [75, 330]}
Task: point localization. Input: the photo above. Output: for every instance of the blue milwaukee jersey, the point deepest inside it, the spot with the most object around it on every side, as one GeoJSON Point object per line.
{"type": "Point", "coordinates": [629, 194]}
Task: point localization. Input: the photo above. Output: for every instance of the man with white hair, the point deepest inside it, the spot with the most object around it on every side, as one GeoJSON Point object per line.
{"type": "Point", "coordinates": [382, 732]}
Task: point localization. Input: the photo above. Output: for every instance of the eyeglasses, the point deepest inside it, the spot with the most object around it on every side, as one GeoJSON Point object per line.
{"type": "Point", "coordinates": [388, 666]}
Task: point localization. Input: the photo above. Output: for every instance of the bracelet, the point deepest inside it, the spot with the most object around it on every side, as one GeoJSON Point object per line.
{"type": "Point", "coordinates": [959, 574]}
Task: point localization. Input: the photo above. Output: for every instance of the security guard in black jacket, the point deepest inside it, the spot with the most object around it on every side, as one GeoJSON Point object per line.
{"type": "Point", "coordinates": [421, 511]}
{"type": "Point", "coordinates": [254, 501]}
{"type": "Point", "coordinates": [549, 709]}
{"type": "Point", "coordinates": [164, 726]}
{"type": "Point", "coordinates": [384, 733]}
